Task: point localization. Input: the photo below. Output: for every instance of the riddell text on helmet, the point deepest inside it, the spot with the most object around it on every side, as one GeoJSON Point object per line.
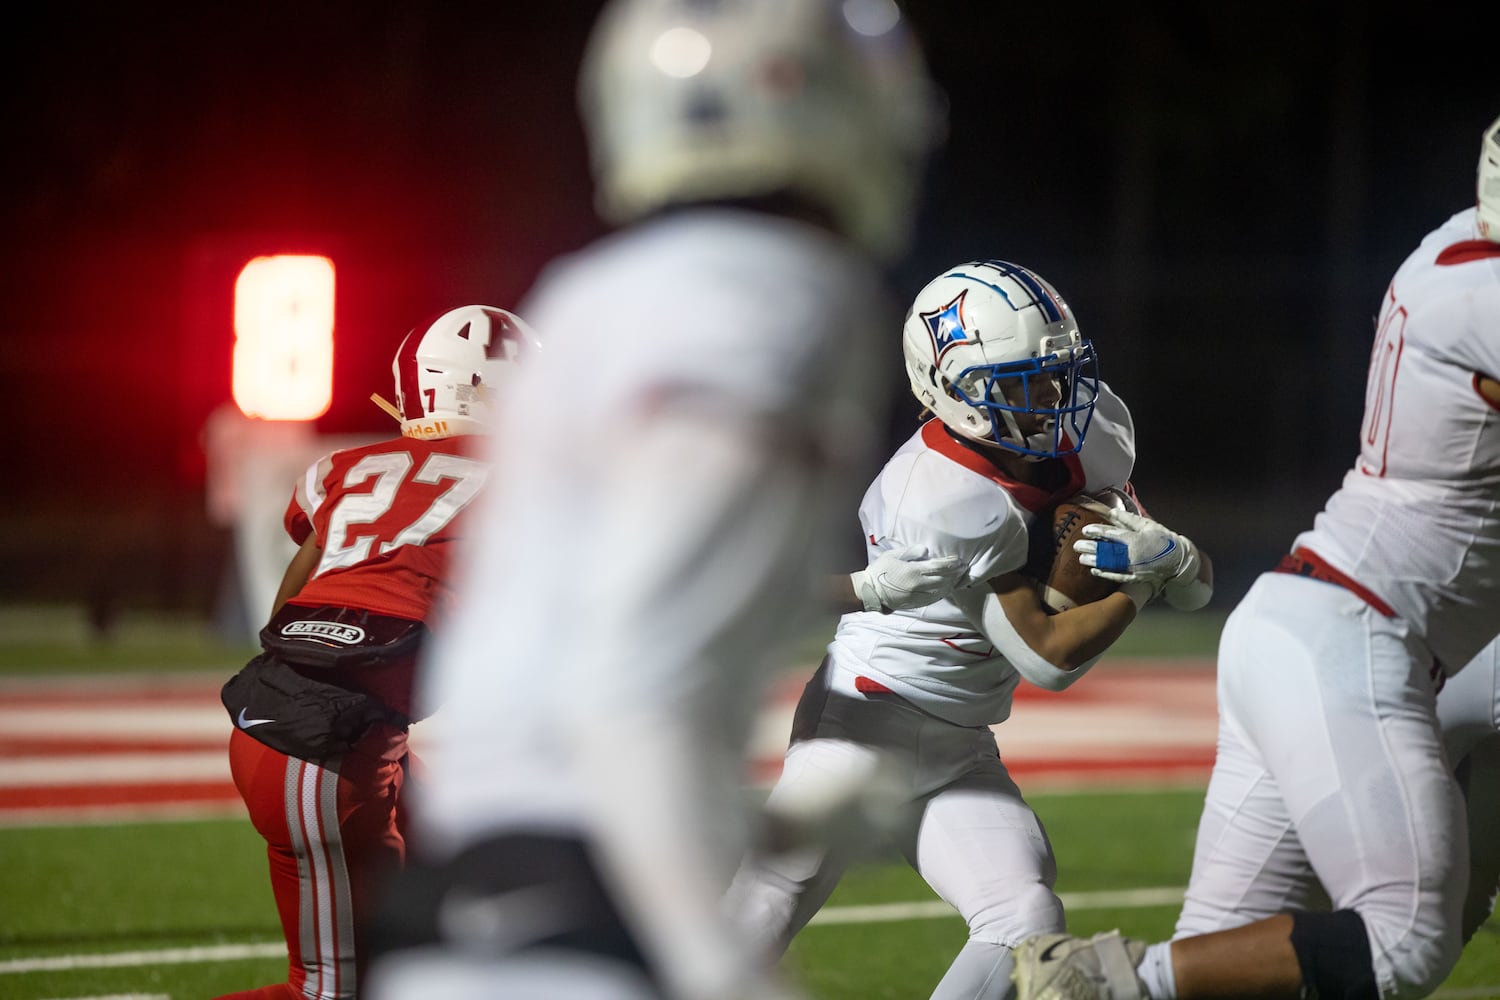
{"type": "Point", "coordinates": [434, 428]}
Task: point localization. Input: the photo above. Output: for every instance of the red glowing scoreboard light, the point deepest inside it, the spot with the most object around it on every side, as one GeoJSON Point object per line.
{"type": "Point", "coordinates": [283, 337]}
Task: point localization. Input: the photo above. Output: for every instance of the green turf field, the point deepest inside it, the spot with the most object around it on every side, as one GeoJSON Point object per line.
{"type": "Point", "coordinates": [52, 639]}
{"type": "Point", "coordinates": [164, 910]}
{"type": "Point", "coordinates": [60, 639]}
{"type": "Point", "coordinates": [183, 910]}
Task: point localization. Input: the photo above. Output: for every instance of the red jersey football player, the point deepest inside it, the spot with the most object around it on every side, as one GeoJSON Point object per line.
{"type": "Point", "coordinates": [319, 748]}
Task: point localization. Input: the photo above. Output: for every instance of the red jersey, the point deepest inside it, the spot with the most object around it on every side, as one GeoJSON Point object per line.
{"type": "Point", "coordinates": [386, 516]}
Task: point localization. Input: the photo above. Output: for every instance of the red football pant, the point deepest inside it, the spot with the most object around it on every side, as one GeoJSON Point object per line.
{"type": "Point", "coordinates": [332, 832]}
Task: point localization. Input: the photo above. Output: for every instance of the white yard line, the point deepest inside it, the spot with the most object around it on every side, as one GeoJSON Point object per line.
{"type": "Point", "coordinates": [831, 915]}
{"type": "Point", "coordinates": [927, 910]}
{"type": "Point", "coordinates": [164, 956]}
{"type": "Point", "coordinates": [62, 771]}
{"type": "Point", "coordinates": [883, 912]}
{"type": "Point", "coordinates": [99, 719]}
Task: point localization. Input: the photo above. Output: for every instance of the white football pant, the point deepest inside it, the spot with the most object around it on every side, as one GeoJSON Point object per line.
{"type": "Point", "coordinates": [965, 828]}
{"type": "Point", "coordinates": [1331, 767]}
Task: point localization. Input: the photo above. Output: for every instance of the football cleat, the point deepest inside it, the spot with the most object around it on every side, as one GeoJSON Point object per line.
{"type": "Point", "coordinates": [1063, 967]}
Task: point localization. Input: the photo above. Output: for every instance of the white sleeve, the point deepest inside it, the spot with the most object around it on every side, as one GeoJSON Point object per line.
{"type": "Point", "coordinates": [926, 501]}
{"type": "Point", "coordinates": [982, 608]}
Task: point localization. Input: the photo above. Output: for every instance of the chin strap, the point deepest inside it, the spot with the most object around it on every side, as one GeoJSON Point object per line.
{"type": "Point", "coordinates": [1040, 445]}
{"type": "Point", "coordinates": [386, 405]}
{"type": "Point", "coordinates": [1015, 437]}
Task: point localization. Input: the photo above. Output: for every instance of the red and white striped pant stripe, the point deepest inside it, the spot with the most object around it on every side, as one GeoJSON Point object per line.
{"type": "Point", "coordinates": [331, 830]}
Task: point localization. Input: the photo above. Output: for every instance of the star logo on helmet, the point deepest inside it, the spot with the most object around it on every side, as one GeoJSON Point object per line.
{"type": "Point", "coordinates": [947, 325]}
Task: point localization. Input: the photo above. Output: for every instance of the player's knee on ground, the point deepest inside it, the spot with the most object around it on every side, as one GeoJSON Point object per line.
{"type": "Point", "coordinates": [1333, 950]}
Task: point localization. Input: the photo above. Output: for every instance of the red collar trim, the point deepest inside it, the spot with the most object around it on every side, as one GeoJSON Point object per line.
{"type": "Point", "coordinates": [1033, 498]}
{"type": "Point", "coordinates": [1466, 251]}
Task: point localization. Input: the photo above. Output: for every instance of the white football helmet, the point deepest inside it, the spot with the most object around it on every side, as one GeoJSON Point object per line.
{"type": "Point", "coordinates": [828, 100]}
{"type": "Point", "coordinates": [1489, 183]}
{"type": "Point", "coordinates": [988, 326]}
{"type": "Point", "coordinates": [447, 372]}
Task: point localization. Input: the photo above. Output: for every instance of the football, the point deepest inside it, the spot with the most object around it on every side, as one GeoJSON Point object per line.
{"type": "Point", "coordinates": [1062, 581]}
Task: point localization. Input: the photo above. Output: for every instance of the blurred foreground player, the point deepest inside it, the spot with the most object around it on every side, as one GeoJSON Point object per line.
{"type": "Point", "coordinates": [1020, 421]}
{"type": "Point", "coordinates": [1331, 767]}
{"type": "Point", "coordinates": [319, 749]}
{"type": "Point", "coordinates": [711, 389]}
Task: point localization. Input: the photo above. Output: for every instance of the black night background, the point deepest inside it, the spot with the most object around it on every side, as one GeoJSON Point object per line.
{"type": "Point", "coordinates": [1221, 191]}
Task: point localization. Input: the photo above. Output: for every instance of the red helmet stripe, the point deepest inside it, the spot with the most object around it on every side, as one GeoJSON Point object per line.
{"type": "Point", "coordinates": [409, 393]}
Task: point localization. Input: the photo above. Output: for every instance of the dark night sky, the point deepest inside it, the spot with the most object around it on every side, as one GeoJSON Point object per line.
{"type": "Point", "coordinates": [1220, 190]}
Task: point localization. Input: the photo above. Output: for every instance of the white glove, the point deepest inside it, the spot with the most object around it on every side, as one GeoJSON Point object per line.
{"type": "Point", "coordinates": [897, 580]}
{"type": "Point", "coordinates": [1135, 550]}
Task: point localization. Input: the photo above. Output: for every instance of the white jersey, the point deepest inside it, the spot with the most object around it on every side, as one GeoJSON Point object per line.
{"type": "Point", "coordinates": [945, 497]}
{"type": "Point", "coordinates": [1417, 520]}
{"type": "Point", "coordinates": [573, 602]}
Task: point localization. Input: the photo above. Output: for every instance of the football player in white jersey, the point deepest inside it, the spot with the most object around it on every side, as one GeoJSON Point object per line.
{"type": "Point", "coordinates": [1331, 767]}
{"type": "Point", "coordinates": [1469, 711]}
{"type": "Point", "coordinates": [676, 460]}
{"type": "Point", "coordinates": [1020, 422]}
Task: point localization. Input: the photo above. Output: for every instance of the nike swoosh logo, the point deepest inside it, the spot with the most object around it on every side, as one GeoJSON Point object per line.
{"type": "Point", "coordinates": [1046, 956]}
{"type": "Point", "coordinates": [245, 723]}
{"type": "Point", "coordinates": [1160, 555]}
